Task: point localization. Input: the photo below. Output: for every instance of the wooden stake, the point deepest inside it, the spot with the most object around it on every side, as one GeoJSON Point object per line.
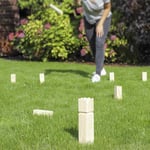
{"type": "Point", "coordinates": [86, 120]}
{"type": "Point", "coordinates": [118, 92]}
{"type": "Point", "coordinates": [42, 78]}
{"type": "Point", "coordinates": [42, 112]}
{"type": "Point", "coordinates": [111, 76]}
{"type": "Point", "coordinates": [144, 76]}
{"type": "Point", "coordinates": [59, 11]}
{"type": "Point", "coordinates": [13, 78]}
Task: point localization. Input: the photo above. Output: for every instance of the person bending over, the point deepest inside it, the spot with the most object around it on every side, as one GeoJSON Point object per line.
{"type": "Point", "coordinates": [97, 19]}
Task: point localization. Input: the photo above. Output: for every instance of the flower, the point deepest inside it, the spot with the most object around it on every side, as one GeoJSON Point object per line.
{"type": "Point", "coordinates": [105, 46]}
{"type": "Point", "coordinates": [80, 36]}
{"type": "Point", "coordinates": [23, 21]}
{"type": "Point", "coordinates": [81, 26]}
{"type": "Point", "coordinates": [47, 26]}
{"type": "Point", "coordinates": [11, 36]}
{"type": "Point", "coordinates": [83, 52]}
{"type": "Point", "coordinates": [113, 37]}
{"type": "Point", "coordinates": [79, 10]}
{"type": "Point", "coordinates": [20, 34]}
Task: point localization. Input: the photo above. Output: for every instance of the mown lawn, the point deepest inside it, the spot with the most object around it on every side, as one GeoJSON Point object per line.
{"type": "Point", "coordinates": [119, 125]}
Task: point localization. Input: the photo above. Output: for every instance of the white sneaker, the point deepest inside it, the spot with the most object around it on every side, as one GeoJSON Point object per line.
{"type": "Point", "coordinates": [103, 72]}
{"type": "Point", "coordinates": [96, 78]}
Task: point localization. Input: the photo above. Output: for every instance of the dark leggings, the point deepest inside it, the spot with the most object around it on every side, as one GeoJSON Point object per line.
{"type": "Point", "coordinates": [97, 43]}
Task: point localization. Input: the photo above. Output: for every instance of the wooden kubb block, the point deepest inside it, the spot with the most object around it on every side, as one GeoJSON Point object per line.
{"type": "Point", "coordinates": [13, 78]}
{"type": "Point", "coordinates": [118, 92]}
{"type": "Point", "coordinates": [111, 76]}
{"type": "Point", "coordinates": [86, 127]}
{"type": "Point", "coordinates": [144, 76]}
{"type": "Point", "coordinates": [42, 77]}
{"type": "Point", "coordinates": [40, 112]}
{"type": "Point", "coordinates": [85, 105]}
{"type": "Point", "coordinates": [59, 11]}
{"type": "Point", "coordinates": [86, 120]}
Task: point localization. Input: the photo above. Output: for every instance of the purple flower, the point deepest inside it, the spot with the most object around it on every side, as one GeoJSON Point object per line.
{"type": "Point", "coordinates": [23, 21]}
{"type": "Point", "coordinates": [79, 10]}
{"type": "Point", "coordinates": [81, 26]}
{"type": "Point", "coordinates": [105, 46]}
{"type": "Point", "coordinates": [11, 36]}
{"type": "Point", "coordinates": [113, 37]}
{"type": "Point", "coordinates": [47, 26]}
{"type": "Point", "coordinates": [80, 36]}
{"type": "Point", "coordinates": [20, 34]}
{"type": "Point", "coordinates": [83, 52]}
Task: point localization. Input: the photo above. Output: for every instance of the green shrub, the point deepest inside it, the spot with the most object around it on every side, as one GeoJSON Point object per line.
{"type": "Point", "coordinates": [116, 42]}
{"type": "Point", "coordinates": [46, 35]}
{"type": "Point", "coordinates": [135, 16]}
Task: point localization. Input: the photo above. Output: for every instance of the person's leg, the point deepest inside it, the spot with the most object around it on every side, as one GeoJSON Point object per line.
{"type": "Point", "coordinates": [90, 34]}
{"type": "Point", "coordinates": [100, 53]}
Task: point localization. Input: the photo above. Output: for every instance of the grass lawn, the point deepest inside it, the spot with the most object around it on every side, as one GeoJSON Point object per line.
{"type": "Point", "coordinates": [119, 125]}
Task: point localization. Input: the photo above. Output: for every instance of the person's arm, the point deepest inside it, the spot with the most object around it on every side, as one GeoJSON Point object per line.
{"type": "Point", "coordinates": [99, 28]}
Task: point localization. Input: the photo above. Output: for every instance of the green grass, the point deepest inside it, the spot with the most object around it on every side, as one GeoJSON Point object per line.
{"type": "Point", "coordinates": [119, 125]}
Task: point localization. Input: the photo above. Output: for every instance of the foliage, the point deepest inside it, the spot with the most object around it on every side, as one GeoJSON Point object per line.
{"type": "Point", "coordinates": [136, 17]}
{"type": "Point", "coordinates": [44, 30]}
{"type": "Point", "coordinates": [33, 5]}
{"type": "Point", "coordinates": [115, 43]}
{"type": "Point", "coordinates": [45, 35]}
{"type": "Point", "coordinates": [45, 44]}
{"type": "Point", "coordinates": [127, 42]}
{"type": "Point", "coordinates": [115, 46]}
{"type": "Point", "coordinates": [84, 47]}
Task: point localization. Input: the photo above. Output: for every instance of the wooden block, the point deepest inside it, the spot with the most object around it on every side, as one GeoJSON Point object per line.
{"type": "Point", "coordinates": [111, 76]}
{"type": "Point", "coordinates": [85, 105]}
{"type": "Point", "coordinates": [13, 78]}
{"type": "Point", "coordinates": [86, 128]}
{"type": "Point", "coordinates": [118, 92]}
{"type": "Point", "coordinates": [42, 112]}
{"type": "Point", "coordinates": [144, 76]}
{"type": "Point", "coordinates": [42, 77]}
{"type": "Point", "coordinates": [59, 11]}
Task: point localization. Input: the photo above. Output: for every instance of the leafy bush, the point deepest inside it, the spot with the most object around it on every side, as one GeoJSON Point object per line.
{"type": "Point", "coordinates": [115, 43]}
{"type": "Point", "coordinates": [45, 35]}
{"type": "Point", "coordinates": [136, 17]}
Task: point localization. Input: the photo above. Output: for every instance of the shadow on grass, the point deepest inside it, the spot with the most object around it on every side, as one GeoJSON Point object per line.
{"type": "Point", "coordinates": [78, 72]}
{"type": "Point", "coordinates": [72, 131]}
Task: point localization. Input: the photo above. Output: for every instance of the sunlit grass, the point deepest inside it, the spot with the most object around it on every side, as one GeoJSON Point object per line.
{"type": "Point", "coordinates": [119, 125]}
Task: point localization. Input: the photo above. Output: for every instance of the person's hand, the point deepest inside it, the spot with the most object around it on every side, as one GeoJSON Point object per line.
{"type": "Point", "coordinates": [99, 30]}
